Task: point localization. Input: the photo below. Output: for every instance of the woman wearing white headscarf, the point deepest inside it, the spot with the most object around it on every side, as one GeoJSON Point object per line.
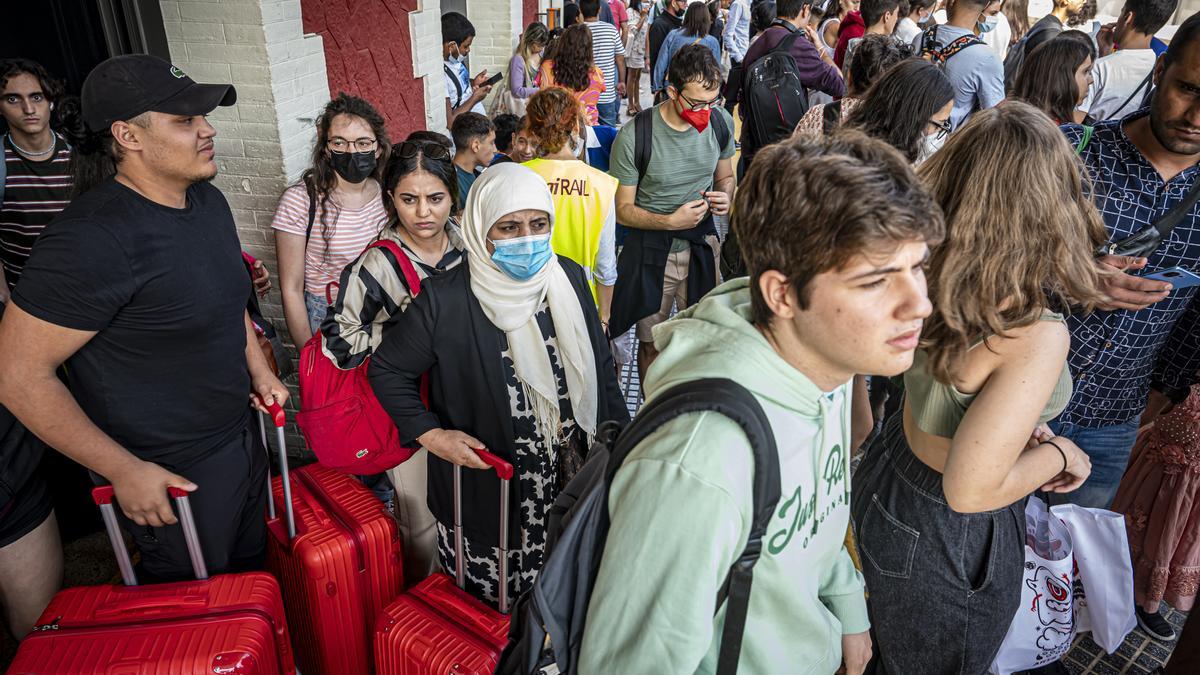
{"type": "Point", "coordinates": [518, 364]}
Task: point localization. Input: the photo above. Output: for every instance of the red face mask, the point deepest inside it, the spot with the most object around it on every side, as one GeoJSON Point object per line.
{"type": "Point", "coordinates": [696, 118]}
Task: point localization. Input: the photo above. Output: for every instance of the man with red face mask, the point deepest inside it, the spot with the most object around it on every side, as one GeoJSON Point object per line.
{"type": "Point", "coordinates": [670, 251]}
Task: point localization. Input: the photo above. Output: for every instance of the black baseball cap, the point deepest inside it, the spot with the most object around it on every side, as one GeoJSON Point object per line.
{"type": "Point", "coordinates": [127, 86]}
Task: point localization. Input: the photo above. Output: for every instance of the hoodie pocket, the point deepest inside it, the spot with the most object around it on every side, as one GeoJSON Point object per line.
{"type": "Point", "coordinates": [886, 542]}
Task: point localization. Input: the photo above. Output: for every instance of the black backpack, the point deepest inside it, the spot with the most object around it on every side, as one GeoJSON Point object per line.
{"type": "Point", "coordinates": [772, 95]}
{"type": "Point", "coordinates": [548, 621]}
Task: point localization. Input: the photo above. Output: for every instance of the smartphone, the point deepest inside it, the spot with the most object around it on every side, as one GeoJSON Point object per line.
{"type": "Point", "coordinates": [1178, 277]}
{"type": "Point", "coordinates": [491, 81]}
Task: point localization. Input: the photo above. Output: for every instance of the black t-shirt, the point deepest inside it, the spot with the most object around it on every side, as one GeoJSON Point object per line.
{"type": "Point", "coordinates": [165, 290]}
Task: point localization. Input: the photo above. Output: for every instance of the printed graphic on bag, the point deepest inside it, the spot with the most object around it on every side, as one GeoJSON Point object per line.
{"type": "Point", "coordinates": [1052, 605]}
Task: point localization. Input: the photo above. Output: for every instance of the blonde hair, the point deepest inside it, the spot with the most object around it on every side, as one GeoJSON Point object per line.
{"type": "Point", "coordinates": [1020, 231]}
{"type": "Point", "coordinates": [535, 33]}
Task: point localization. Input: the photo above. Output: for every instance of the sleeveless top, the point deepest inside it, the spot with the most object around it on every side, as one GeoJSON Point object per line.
{"type": "Point", "coordinates": [821, 34]}
{"type": "Point", "coordinates": [939, 408]}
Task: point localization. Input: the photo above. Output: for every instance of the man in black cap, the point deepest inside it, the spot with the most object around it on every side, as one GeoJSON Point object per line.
{"type": "Point", "coordinates": [139, 287]}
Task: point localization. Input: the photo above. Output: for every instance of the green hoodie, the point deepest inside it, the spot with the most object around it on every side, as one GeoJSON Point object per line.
{"type": "Point", "coordinates": [681, 510]}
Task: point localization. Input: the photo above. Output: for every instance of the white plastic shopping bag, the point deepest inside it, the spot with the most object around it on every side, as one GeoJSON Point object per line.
{"type": "Point", "coordinates": [1104, 601]}
{"type": "Point", "coordinates": [1042, 630]}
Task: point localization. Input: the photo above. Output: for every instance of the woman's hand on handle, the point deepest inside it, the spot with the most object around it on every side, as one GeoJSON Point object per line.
{"type": "Point", "coordinates": [454, 447]}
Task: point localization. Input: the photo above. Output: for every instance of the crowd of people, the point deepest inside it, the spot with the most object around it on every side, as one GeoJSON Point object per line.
{"type": "Point", "coordinates": [919, 235]}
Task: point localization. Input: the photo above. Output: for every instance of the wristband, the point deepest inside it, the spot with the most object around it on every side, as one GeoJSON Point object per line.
{"type": "Point", "coordinates": [1060, 451]}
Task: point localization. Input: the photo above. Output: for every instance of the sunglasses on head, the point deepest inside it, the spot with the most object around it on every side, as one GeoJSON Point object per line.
{"type": "Point", "coordinates": [430, 149]}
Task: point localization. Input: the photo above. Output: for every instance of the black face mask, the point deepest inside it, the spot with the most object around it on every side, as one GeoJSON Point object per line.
{"type": "Point", "coordinates": [353, 167]}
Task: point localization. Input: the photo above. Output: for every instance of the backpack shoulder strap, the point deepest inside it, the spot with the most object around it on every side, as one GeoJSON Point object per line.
{"type": "Point", "coordinates": [1177, 213]}
{"type": "Point", "coordinates": [1143, 83]}
{"type": "Point", "coordinates": [734, 401]}
{"type": "Point", "coordinates": [785, 45]}
{"type": "Point", "coordinates": [1084, 140]}
{"type": "Point", "coordinates": [407, 271]}
{"type": "Point", "coordinates": [957, 46]}
{"type": "Point", "coordinates": [643, 134]}
{"type": "Point", "coordinates": [720, 129]}
{"type": "Point", "coordinates": [312, 209]}
{"type": "Point", "coordinates": [457, 85]}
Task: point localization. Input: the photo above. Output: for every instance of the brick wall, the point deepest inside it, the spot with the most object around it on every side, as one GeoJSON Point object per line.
{"type": "Point", "coordinates": [498, 26]}
{"type": "Point", "coordinates": [263, 141]}
{"type": "Point", "coordinates": [368, 53]}
{"type": "Point", "coordinates": [425, 25]}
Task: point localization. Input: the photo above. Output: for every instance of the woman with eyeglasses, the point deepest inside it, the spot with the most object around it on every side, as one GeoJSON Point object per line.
{"type": "Point", "coordinates": [938, 502]}
{"type": "Point", "coordinates": [324, 221]}
{"type": "Point", "coordinates": [419, 187]}
{"type": "Point", "coordinates": [908, 106]}
{"type": "Point", "coordinates": [522, 71]}
{"type": "Point", "coordinates": [572, 66]}
{"type": "Point", "coordinates": [518, 365]}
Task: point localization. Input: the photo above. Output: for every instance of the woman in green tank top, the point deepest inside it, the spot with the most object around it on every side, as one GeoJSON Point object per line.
{"type": "Point", "coordinates": [938, 501]}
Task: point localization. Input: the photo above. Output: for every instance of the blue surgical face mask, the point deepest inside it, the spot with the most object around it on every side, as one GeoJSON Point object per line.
{"type": "Point", "coordinates": [456, 58]}
{"type": "Point", "coordinates": [523, 257]}
{"type": "Point", "coordinates": [988, 24]}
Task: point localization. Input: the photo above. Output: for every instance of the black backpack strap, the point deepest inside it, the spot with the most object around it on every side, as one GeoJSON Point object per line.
{"type": "Point", "coordinates": [643, 134]}
{"type": "Point", "coordinates": [734, 401]}
{"type": "Point", "coordinates": [831, 117]}
{"type": "Point", "coordinates": [1143, 83]}
{"type": "Point", "coordinates": [1171, 218]}
{"type": "Point", "coordinates": [720, 129]}
{"type": "Point", "coordinates": [457, 86]}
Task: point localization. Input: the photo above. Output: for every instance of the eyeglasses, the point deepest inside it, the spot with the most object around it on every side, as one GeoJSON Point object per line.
{"type": "Point", "coordinates": [431, 149]}
{"type": "Point", "coordinates": [343, 145]}
{"type": "Point", "coordinates": [943, 128]}
{"type": "Point", "coordinates": [697, 106]}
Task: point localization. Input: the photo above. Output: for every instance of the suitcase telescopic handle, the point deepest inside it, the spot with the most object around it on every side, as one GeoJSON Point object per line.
{"type": "Point", "coordinates": [278, 418]}
{"type": "Point", "coordinates": [504, 471]}
{"type": "Point", "coordinates": [104, 496]}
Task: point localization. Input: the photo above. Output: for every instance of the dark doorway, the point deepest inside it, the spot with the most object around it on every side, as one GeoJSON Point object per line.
{"type": "Point", "coordinates": [69, 37]}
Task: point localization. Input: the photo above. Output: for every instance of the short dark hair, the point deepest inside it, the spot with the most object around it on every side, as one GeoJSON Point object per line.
{"type": "Point", "coordinates": [456, 28]}
{"type": "Point", "coordinates": [1186, 36]}
{"type": "Point", "coordinates": [10, 68]}
{"type": "Point", "coordinates": [875, 54]}
{"type": "Point", "coordinates": [873, 10]}
{"type": "Point", "coordinates": [809, 204]}
{"type": "Point", "coordinates": [589, 8]}
{"type": "Point", "coordinates": [506, 125]}
{"type": "Point", "coordinates": [762, 16]}
{"type": "Point", "coordinates": [790, 9]}
{"type": "Point", "coordinates": [467, 127]}
{"type": "Point", "coordinates": [1151, 15]}
{"type": "Point", "coordinates": [976, 5]}
{"type": "Point", "coordinates": [694, 63]}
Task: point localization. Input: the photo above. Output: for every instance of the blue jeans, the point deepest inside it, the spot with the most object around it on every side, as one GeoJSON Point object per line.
{"type": "Point", "coordinates": [610, 113]}
{"type": "Point", "coordinates": [1109, 448]}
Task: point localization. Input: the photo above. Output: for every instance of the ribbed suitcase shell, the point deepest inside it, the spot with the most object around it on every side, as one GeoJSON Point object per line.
{"type": "Point", "coordinates": [229, 624]}
{"type": "Point", "coordinates": [437, 628]}
{"type": "Point", "coordinates": [342, 569]}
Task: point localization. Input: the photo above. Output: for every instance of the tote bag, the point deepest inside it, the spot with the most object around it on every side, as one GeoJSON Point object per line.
{"type": "Point", "coordinates": [1103, 585]}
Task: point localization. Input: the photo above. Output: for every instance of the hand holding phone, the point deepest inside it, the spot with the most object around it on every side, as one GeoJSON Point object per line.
{"type": "Point", "coordinates": [491, 81]}
{"type": "Point", "coordinates": [1178, 277]}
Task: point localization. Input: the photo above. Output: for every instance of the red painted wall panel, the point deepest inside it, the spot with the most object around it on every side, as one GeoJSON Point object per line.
{"type": "Point", "coordinates": [529, 10]}
{"type": "Point", "coordinates": [368, 53]}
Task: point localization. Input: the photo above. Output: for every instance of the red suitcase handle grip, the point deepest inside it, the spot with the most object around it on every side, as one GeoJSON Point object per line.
{"type": "Point", "coordinates": [503, 469]}
{"type": "Point", "coordinates": [277, 415]}
{"type": "Point", "coordinates": [103, 494]}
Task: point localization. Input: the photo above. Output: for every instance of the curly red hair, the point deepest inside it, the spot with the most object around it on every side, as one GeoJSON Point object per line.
{"type": "Point", "coordinates": [550, 117]}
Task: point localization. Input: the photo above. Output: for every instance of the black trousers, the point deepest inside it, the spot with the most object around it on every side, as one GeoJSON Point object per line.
{"type": "Point", "coordinates": [229, 506]}
{"type": "Point", "coordinates": [732, 85]}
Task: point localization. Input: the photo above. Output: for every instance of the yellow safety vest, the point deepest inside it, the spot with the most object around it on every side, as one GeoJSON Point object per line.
{"type": "Point", "coordinates": [583, 197]}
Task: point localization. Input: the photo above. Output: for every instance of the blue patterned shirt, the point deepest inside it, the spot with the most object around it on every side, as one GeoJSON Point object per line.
{"type": "Point", "coordinates": [1115, 355]}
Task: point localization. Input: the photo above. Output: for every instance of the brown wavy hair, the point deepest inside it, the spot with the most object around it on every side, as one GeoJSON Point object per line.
{"type": "Point", "coordinates": [550, 117]}
{"type": "Point", "coordinates": [573, 58]}
{"type": "Point", "coordinates": [1020, 231]}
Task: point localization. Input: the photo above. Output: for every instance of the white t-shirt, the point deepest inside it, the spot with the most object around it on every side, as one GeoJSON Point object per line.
{"type": "Point", "coordinates": [907, 30]}
{"type": "Point", "coordinates": [463, 91]}
{"type": "Point", "coordinates": [1115, 77]}
{"type": "Point", "coordinates": [999, 37]}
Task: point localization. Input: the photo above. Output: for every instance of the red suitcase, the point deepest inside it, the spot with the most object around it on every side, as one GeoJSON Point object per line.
{"type": "Point", "coordinates": [336, 553]}
{"type": "Point", "coordinates": [436, 627]}
{"type": "Point", "coordinates": [233, 623]}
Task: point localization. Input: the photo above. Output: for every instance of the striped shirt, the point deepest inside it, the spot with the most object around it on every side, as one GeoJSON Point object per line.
{"type": "Point", "coordinates": [349, 231]}
{"type": "Point", "coordinates": [34, 193]}
{"type": "Point", "coordinates": [372, 290]}
{"type": "Point", "coordinates": [606, 44]}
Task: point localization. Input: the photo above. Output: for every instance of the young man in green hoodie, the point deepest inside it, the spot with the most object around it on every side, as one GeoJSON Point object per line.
{"type": "Point", "coordinates": [835, 233]}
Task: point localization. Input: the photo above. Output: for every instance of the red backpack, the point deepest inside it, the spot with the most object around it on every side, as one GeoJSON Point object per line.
{"type": "Point", "coordinates": [342, 421]}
